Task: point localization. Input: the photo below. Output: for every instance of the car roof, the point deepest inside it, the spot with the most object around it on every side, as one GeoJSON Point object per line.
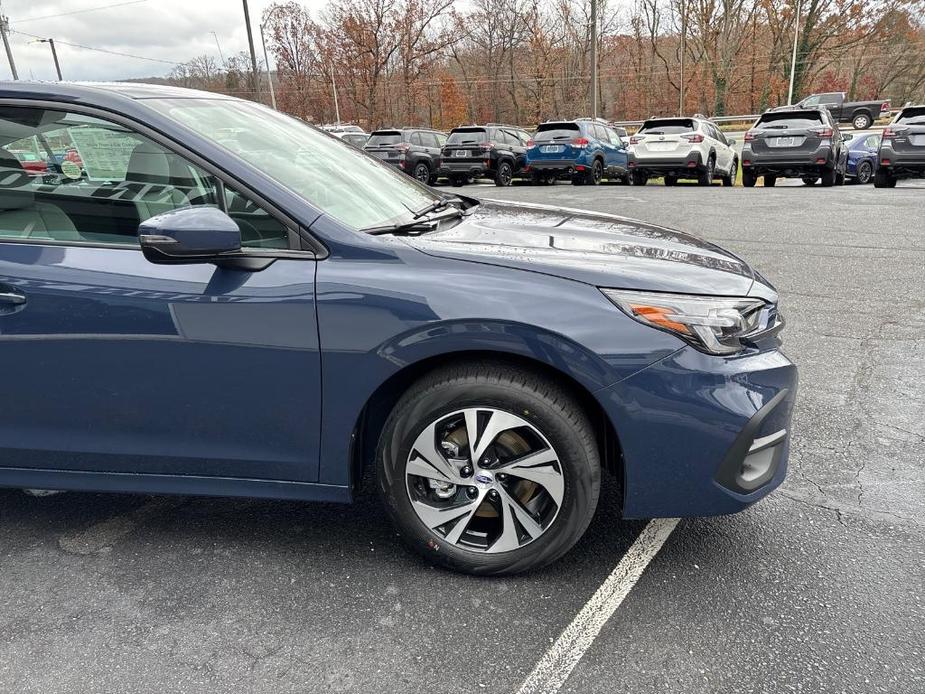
{"type": "Point", "coordinates": [98, 92]}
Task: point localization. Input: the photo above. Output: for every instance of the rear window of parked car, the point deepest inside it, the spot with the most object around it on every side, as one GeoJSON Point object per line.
{"type": "Point", "coordinates": [790, 120]}
{"type": "Point", "coordinates": [467, 136]}
{"type": "Point", "coordinates": [675, 126]}
{"type": "Point", "coordinates": [384, 137]}
{"type": "Point", "coordinates": [915, 116]}
{"type": "Point", "coordinates": [548, 132]}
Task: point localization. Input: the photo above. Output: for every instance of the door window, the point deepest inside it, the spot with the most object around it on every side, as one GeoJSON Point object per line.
{"type": "Point", "coordinates": [100, 180]}
{"type": "Point", "coordinates": [415, 139]}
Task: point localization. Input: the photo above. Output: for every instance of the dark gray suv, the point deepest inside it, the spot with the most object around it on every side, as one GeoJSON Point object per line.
{"type": "Point", "coordinates": [416, 151]}
{"type": "Point", "coordinates": [902, 148]}
{"type": "Point", "coordinates": [794, 142]}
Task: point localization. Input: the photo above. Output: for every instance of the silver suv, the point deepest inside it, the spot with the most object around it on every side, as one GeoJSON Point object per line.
{"type": "Point", "coordinates": [675, 148]}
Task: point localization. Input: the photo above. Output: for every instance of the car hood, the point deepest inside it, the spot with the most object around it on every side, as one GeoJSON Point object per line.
{"type": "Point", "coordinates": [599, 249]}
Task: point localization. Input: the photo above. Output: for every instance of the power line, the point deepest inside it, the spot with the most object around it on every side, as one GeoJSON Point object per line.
{"type": "Point", "coordinates": [99, 50]}
{"type": "Point", "coordinates": [67, 14]}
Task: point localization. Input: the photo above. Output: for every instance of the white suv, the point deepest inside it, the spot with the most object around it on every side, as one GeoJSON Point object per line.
{"type": "Point", "coordinates": [682, 148]}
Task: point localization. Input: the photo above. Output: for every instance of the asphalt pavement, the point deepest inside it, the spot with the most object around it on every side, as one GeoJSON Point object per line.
{"type": "Point", "coordinates": [818, 588]}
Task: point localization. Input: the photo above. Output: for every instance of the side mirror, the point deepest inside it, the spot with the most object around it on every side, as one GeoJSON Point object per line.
{"type": "Point", "coordinates": [847, 136]}
{"type": "Point", "coordinates": [189, 235]}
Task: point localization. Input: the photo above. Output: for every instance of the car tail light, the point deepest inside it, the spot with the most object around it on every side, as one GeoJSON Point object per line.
{"type": "Point", "coordinates": [579, 168]}
{"type": "Point", "coordinates": [692, 165]}
{"type": "Point", "coordinates": [635, 139]}
{"type": "Point", "coordinates": [749, 136]}
{"type": "Point", "coordinates": [884, 162]}
{"type": "Point", "coordinates": [822, 132]}
{"type": "Point", "coordinates": [694, 137]}
{"type": "Point", "coordinates": [403, 146]}
{"type": "Point", "coordinates": [885, 106]}
{"type": "Point", "coordinates": [820, 160]}
{"type": "Point", "coordinates": [487, 146]}
{"type": "Point", "coordinates": [530, 143]}
{"type": "Point", "coordinates": [580, 142]}
{"type": "Point", "coordinates": [892, 131]}
{"type": "Point", "coordinates": [746, 162]}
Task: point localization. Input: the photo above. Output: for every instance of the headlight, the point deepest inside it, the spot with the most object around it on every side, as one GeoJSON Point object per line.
{"type": "Point", "coordinates": [712, 324]}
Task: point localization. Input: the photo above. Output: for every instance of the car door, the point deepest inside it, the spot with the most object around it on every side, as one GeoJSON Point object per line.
{"type": "Point", "coordinates": [724, 153]}
{"type": "Point", "coordinates": [619, 150]}
{"type": "Point", "coordinates": [117, 365]}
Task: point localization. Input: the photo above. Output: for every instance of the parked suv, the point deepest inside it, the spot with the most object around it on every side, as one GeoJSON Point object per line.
{"type": "Point", "coordinates": [494, 151]}
{"type": "Point", "coordinates": [351, 134]}
{"type": "Point", "coordinates": [677, 148]}
{"type": "Point", "coordinates": [416, 151]}
{"type": "Point", "coordinates": [794, 142]}
{"type": "Point", "coordinates": [584, 150]}
{"type": "Point", "coordinates": [902, 149]}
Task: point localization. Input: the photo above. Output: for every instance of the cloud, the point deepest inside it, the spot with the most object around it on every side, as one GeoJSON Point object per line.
{"type": "Point", "coordinates": [168, 30]}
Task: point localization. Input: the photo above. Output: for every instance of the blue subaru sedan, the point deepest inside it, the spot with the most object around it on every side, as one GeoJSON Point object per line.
{"type": "Point", "coordinates": [214, 298]}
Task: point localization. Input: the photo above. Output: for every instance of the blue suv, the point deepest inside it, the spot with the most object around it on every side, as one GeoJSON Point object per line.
{"type": "Point", "coordinates": [585, 151]}
{"type": "Point", "coordinates": [224, 300]}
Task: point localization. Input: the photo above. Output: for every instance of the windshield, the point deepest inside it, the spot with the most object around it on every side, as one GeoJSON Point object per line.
{"type": "Point", "coordinates": [548, 132]}
{"type": "Point", "coordinates": [790, 120]}
{"type": "Point", "coordinates": [666, 127]}
{"type": "Point", "coordinates": [336, 178]}
{"type": "Point", "coordinates": [469, 136]}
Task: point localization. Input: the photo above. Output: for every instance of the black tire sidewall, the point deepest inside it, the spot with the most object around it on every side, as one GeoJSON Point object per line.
{"type": "Point", "coordinates": [578, 459]}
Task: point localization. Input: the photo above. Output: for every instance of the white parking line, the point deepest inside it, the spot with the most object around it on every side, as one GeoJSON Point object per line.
{"type": "Point", "coordinates": [557, 664]}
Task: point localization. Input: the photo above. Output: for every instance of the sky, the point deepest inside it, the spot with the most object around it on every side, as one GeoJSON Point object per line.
{"type": "Point", "coordinates": [171, 31]}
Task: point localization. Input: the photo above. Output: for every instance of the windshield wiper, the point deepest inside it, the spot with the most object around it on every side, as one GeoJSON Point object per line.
{"type": "Point", "coordinates": [417, 224]}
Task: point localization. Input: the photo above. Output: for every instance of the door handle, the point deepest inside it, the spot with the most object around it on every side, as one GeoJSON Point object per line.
{"type": "Point", "coordinates": [11, 301]}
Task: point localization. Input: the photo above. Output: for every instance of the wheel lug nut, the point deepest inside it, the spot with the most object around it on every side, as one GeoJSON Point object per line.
{"type": "Point", "coordinates": [466, 471]}
{"type": "Point", "coordinates": [501, 477]}
{"type": "Point", "coordinates": [493, 493]}
{"type": "Point", "coordinates": [472, 492]}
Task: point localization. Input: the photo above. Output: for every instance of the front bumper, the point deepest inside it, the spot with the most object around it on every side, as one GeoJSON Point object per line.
{"type": "Point", "coordinates": [680, 166]}
{"type": "Point", "coordinates": [702, 435]}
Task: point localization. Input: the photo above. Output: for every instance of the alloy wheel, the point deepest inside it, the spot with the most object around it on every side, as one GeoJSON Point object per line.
{"type": "Point", "coordinates": [422, 172]}
{"type": "Point", "coordinates": [485, 480]}
{"type": "Point", "coordinates": [865, 172]}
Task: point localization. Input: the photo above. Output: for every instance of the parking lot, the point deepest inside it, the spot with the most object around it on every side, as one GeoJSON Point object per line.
{"type": "Point", "coordinates": [818, 588]}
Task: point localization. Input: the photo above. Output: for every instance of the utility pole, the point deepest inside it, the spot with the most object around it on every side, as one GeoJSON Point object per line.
{"type": "Point", "coordinates": [793, 59]}
{"type": "Point", "coordinates": [334, 87]}
{"type": "Point", "coordinates": [250, 43]}
{"type": "Point", "coordinates": [267, 62]}
{"type": "Point", "coordinates": [594, 58]}
{"type": "Point", "coordinates": [54, 55]}
{"type": "Point", "coordinates": [4, 29]}
{"type": "Point", "coordinates": [683, 51]}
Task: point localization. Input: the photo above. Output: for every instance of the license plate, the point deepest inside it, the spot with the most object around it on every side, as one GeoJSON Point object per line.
{"type": "Point", "coordinates": [551, 149]}
{"type": "Point", "coordinates": [785, 141]}
{"type": "Point", "coordinates": [461, 153]}
{"type": "Point", "coordinates": [660, 146]}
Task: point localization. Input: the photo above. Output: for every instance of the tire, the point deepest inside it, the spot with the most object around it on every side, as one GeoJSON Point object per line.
{"type": "Point", "coordinates": [596, 174]}
{"type": "Point", "coordinates": [770, 181]}
{"type": "Point", "coordinates": [828, 178]}
{"type": "Point", "coordinates": [705, 177]}
{"type": "Point", "coordinates": [638, 178]}
{"type": "Point", "coordinates": [810, 180]}
{"type": "Point", "coordinates": [839, 178]}
{"type": "Point", "coordinates": [671, 181]}
{"type": "Point", "coordinates": [433, 180]}
{"type": "Point", "coordinates": [528, 401]}
{"type": "Point", "coordinates": [861, 121]}
{"type": "Point", "coordinates": [578, 179]}
{"type": "Point", "coordinates": [540, 179]}
{"type": "Point", "coordinates": [864, 172]}
{"type": "Point", "coordinates": [748, 178]}
{"type": "Point", "coordinates": [883, 179]}
{"type": "Point", "coordinates": [421, 172]}
{"type": "Point", "coordinates": [729, 179]}
{"type": "Point", "coordinates": [504, 175]}
{"type": "Point", "coordinates": [459, 181]}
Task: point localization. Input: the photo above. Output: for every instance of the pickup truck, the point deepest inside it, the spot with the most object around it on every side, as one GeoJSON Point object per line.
{"type": "Point", "coordinates": [859, 113]}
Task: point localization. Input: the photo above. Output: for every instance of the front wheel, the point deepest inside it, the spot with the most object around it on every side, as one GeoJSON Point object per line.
{"type": "Point", "coordinates": [770, 181]}
{"type": "Point", "coordinates": [828, 178]}
{"type": "Point", "coordinates": [861, 121]}
{"type": "Point", "coordinates": [596, 174]}
{"type": "Point", "coordinates": [748, 178]}
{"type": "Point", "coordinates": [489, 469]}
{"type": "Point", "coordinates": [459, 181]}
{"type": "Point", "coordinates": [864, 173]}
{"type": "Point", "coordinates": [670, 180]}
{"type": "Point", "coordinates": [638, 178]}
{"type": "Point", "coordinates": [809, 180]}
